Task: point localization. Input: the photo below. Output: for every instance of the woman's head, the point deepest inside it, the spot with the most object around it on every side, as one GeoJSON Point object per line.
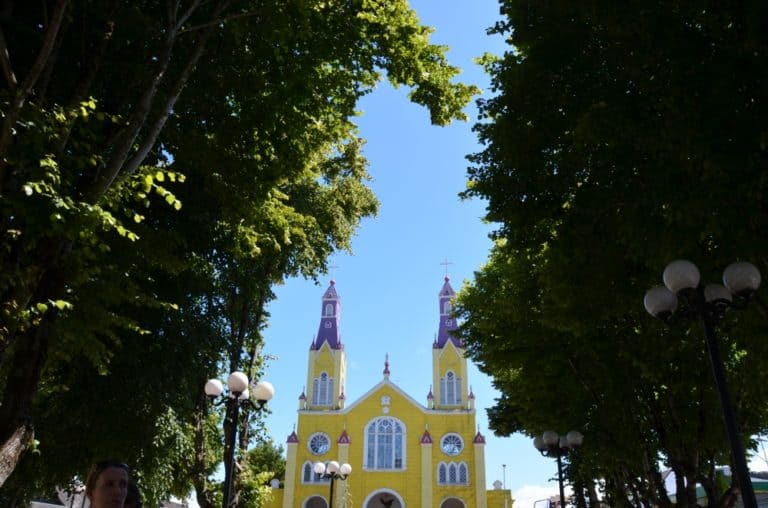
{"type": "Point", "coordinates": [107, 484]}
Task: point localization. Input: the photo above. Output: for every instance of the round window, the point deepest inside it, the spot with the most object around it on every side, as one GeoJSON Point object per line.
{"type": "Point", "coordinates": [319, 443]}
{"type": "Point", "coordinates": [452, 444]}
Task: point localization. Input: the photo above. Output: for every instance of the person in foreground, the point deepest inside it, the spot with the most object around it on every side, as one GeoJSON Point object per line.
{"type": "Point", "coordinates": [107, 484]}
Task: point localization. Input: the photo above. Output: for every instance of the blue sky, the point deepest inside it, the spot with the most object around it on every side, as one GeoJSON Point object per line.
{"type": "Point", "coordinates": [389, 285]}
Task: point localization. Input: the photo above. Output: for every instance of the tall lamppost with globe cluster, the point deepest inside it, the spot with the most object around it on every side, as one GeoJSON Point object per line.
{"type": "Point", "coordinates": [332, 471]}
{"type": "Point", "coordinates": [682, 283]}
{"type": "Point", "coordinates": [550, 444]}
{"type": "Point", "coordinates": [238, 395]}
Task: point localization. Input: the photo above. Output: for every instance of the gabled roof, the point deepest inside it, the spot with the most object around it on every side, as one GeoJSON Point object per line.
{"type": "Point", "coordinates": [386, 383]}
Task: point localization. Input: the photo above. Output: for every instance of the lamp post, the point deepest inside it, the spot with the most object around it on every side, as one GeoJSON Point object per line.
{"type": "Point", "coordinates": [550, 444]}
{"type": "Point", "coordinates": [334, 471]}
{"type": "Point", "coordinates": [239, 394]}
{"type": "Point", "coordinates": [709, 303]}
{"type": "Point", "coordinates": [504, 484]}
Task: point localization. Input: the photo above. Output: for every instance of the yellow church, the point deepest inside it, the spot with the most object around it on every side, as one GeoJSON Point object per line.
{"type": "Point", "coordinates": [402, 454]}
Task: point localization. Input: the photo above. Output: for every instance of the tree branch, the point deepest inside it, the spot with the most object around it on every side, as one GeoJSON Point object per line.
{"type": "Point", "coordinates": [84, 85]}
{"type": "Point", "coordinates": [23, 92]}
{"type": "Point", "coordinates": [149, 141]}
{"type": "Point", "coordinates": [219, 21]}
{"type": "Point", "coordinates": [138, 117]}
{"type": "Point", "coordinates": [5, 62]}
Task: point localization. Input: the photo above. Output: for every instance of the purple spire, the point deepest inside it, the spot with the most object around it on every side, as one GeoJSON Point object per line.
{"type": "Point", "coordinates": [330, 315]}
{"type": "Point", "coordinates": [447, 322]}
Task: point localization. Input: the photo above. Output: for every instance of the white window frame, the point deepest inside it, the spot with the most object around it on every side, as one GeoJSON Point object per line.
{"type": "Point", "coordinates": [376, 442]}
{"type": "Point", "coordinates": [450, 389]}
{"type": "Point", "coordinates": [450, 473]}
{"type": "Point", "coordinates": [322, 390]}
{"type": "Point", "coordinates": [314, 478]}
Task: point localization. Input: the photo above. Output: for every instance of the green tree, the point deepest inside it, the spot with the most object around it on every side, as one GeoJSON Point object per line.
{"type": "Point", "coordinates": [619, 139]}
{"type": "Point", "coordinates": [162, 164]}
{"type": "Point", "coordinates": [264, 463]}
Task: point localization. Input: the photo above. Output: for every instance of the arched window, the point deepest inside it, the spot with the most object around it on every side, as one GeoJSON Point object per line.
{"type": "Point", "coordinates": [385, 444]}
{"type": "Point", "coordinates": [447, 308]}
{"type": "Point", "coordinates": [328, 309]}
{"type": "Point", "coordinates": [308, 474]}
{"type": "Point", "coordinates": [450, 389]}
{"type": "Point", "coordinates": [442, 474]}
{"type": "Point", "coordinates": [322, 390]}
{"type": "Point", "coordinates": [452, 473]}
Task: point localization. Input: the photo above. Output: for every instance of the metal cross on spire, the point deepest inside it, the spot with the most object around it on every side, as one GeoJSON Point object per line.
{"type": "Point", "coordinates": [445, 263]}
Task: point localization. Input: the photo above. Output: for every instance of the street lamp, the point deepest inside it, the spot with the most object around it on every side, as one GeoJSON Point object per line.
{"type": "Point", "coordinates": [334, 471]}
{"type": "Point", "coordinates": [504, 484]}
{"type": "Point", "coordinates": [239, 394]}
{"type": "Point", "coordinates": [709, 303]}
{"type": "Point", "coordinates": [550, 444]}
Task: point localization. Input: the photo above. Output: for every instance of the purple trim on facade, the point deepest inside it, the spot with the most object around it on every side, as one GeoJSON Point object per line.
{"type": "Point", "coordinates": [426, 438]}
{"type": "Point", "coordinates": [330, 318]}
{"type": "Point", "coordinates": [302, 396]}
{"type": "Point", "coordinates": [343, 438]}
{"type": "Point", "coordinates": [447, 322]}
{"type": "Point", "coordinates": [293, 438]}
{"type": "Point", "coordinates": [479, 438]}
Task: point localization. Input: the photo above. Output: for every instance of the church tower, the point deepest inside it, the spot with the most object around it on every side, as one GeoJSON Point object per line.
{"type": "Point", "coordinates": [449, 364]}
{"type": "Point", "coordinates": [401, 453]}
{"type": "Point", "coordinates": [327, 369]}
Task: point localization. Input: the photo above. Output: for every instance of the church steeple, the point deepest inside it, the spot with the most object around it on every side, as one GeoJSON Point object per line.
{"type": "Point", "coordinates": [449, 365]}
{"type": "Point", "coordinates": [330, 316]}
{"type": "Point", "coordinates": [447, 322]}
{"type": "Point", "coordinates": [327, 366]}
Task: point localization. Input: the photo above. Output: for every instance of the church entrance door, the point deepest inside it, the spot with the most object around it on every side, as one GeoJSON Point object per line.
{"type": "Point", "coordinates": [315, 502]}
{"type": "Point", "coordinates": [384, 499]}
{"type": "Point", "coordinates": [452, 502]}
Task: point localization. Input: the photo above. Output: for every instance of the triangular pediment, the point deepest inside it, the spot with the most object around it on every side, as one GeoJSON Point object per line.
{"type": "Point", "coordinates": [385, 388]}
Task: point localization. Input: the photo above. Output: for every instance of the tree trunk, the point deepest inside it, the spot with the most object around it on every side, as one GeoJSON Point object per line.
{"type": "Point", "coordinates": [13, 448]}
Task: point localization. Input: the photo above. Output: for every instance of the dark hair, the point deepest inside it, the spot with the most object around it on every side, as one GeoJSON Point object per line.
{"type": "Point", "coordinates": [134, 496]}
{"type": "Point", "coordinates": [99, 468]}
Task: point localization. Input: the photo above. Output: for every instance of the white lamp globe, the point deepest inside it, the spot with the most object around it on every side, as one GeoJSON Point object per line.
{"type": "Point", "coordinates": [741, 278]}
{"type": "Point", "coordinates": [660, 302]}
{"type": "Point", "coordinates": [345, 469]}
{"type": "Point", "coordinates": [680, 275]}
{"type": "Point", "coordinates": [263, 391]}
{"type": "Point", "coordinates": [319, 468]}
{"type": "Point", "coordinates": [551, 438]}
{"type": "Point", "coordinates": [575, 438]}
{"type": "Point", "coordinates": [237, 382]}
{"type": "Point", "coordinates": [717, 293]}
{"type": "Point", "coordinates": [213, 388]}
{"type": "Point", "coordinates": [333, 467]}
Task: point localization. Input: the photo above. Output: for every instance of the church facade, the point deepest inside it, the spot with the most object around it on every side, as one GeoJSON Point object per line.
{"type": "Point", "coordinates": [402, 453]}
